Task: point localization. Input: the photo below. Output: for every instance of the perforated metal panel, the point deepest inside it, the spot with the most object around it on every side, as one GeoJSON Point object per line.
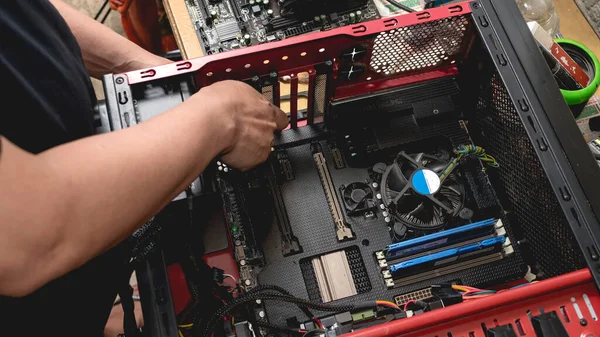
{"type": "Point", "coordinates": [420, 46]}
{"type": "Point", "coordinates": [267, 91]}
{"type": "Point", "coordinates": [320, 97]}
{"type": "Point", "coordinates": [524, 182]}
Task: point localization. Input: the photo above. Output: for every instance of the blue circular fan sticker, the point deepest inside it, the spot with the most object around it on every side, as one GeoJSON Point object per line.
{"type": "Point", "coordinates": [425, 182]}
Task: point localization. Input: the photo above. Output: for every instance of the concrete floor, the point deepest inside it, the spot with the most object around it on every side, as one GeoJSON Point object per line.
{"type": "Point", "coordinates": [91, 7]}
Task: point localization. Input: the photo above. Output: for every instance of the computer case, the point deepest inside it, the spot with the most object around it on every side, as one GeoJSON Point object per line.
{"type": "Point", "coordinates": [480, 58]}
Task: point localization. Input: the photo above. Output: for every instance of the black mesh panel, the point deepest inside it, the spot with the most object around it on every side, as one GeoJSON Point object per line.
{"type": "Point", "coordinates": [527, 190]}
{"type": "Point", "coordinates": [320, 97]}
{"type": "Point", "coordinates": [267, 91]}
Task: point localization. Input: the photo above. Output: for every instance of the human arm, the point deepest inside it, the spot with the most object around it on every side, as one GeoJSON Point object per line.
{"type": "Point", "coordinates": [62, 207]}
{"type": "Point", "coordinates": [105, 51]}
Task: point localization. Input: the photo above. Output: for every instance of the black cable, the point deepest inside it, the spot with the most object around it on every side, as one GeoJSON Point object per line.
{"type": "Point", "coordinates": [313, 332]}
{"type": "Point", "coordinates": [401, 6]}
{"type": "Point", "coordinates": [101, 10]}
{"type": "Point", "coordinates": [211, 323]}
{"type": "Point", "coordinates": [106, 16]}
{"type": "Point", "coordinates": [272, 326]}
{"type": "Point", "coordinates": [263, 287]}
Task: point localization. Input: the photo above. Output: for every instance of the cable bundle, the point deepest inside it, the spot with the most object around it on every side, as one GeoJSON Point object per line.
{"type": "Point", "coordinates": [275, 293]}
{"type": "Point", "coordinates": [477, 151]}
{"type": "Point", "coordinates": [470, 293]}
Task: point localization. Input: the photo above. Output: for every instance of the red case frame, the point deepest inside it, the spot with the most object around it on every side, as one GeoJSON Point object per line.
{"type": "Point", "coordinates": [300, 54]}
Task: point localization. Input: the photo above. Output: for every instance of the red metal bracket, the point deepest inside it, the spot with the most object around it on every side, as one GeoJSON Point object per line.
{"type": "Point", "coordinates": [564, 294]}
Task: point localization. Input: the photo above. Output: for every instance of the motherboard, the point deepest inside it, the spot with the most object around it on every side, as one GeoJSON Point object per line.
{"type": "Point", "coordinates": [224, 25]}
{"type": "Point", "coordinates": [329, 221]}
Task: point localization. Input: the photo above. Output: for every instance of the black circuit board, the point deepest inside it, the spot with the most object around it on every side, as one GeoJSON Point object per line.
{"type": "Point", "coordinates": [232, 24]}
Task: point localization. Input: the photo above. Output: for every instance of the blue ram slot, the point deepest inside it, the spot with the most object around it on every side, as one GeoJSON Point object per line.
{"type": "Point", "coordinates": [440, 239]}
{"type": "Point", "coordinates": [454, 252]}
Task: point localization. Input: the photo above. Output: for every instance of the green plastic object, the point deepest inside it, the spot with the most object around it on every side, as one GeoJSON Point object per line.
{"type": "Point", "coordinates": [575, 97]}
{"type": "Point", "coordinates": [363, 315]}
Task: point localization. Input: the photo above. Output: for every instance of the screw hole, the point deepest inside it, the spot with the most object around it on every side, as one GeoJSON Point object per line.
{"type": "Point", "coordinates": [368, 78]}
{"type": "Point", "coordinates": [284, 58]}
{"type": "Point", "coordinates": [228, 70]}
{"type": "Point", "coordinates": [365, 242]}
{"type": "Point", "coordinates": [247, 65]}
{"type": "Point", "coordinates": [209, 73]}
{"type": "Point", "coordinates": [303, 53]}
{"type": "Point", "coordinates": [321, 50]}
{"type": "Point", "coordinates": [266, 62]}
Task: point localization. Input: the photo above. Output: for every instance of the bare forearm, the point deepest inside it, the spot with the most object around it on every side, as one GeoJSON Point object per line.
{"type": "Point", "coordinates": [90, 194]}
{"type": "Point", "coordinates": [105, 51]}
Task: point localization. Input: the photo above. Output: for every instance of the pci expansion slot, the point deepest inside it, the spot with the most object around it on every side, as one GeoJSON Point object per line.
{"type": "Point", "coordinates": [289, 243]}
{"type": "Point", "coordinates": [343, 232]}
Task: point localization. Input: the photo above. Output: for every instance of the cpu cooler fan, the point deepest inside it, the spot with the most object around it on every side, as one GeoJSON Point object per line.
{"type": "Point", "coordinates": [358, 197]}
{"type": "Point", "coordinates": [419, 192]}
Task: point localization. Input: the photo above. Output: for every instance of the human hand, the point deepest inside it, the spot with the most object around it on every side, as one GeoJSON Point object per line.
{"type": "Point", "coordinates": [117, 3]}
{"type": "Point", "coordinates": [250, 121]}
{"type": "Point", "coordinates": [114, 325]}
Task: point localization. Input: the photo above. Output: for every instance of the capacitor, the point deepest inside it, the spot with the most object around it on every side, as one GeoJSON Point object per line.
{"type": "Point", "coordinates": [358, 16]}
{"type": "Point", "coordinates": [352, 17]}
{"type": "Point", "coordinates": [265, 3]}
{"type": "Point", "coordinates": [247, 39]}
{"type": "Point", "coordinates": [317, 19]}
{"type": "Point", "coordinates": [214, 15]}
{"type": "Point", "coordinates": [270, 12]}
{"type": "Point", "coordinates": [323, 19]}
{"type": "Point", "coordinates": [251, 2]}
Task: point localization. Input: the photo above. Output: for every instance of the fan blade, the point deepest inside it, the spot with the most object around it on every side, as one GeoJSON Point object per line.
{"type": "Point", "coordinates": [438, 216]}
{"type": "Point", "coordinates": [417, 158]}
{"type": "Point", "coordinates": [409, 204]}
{"type": "Point", "coordinates": [441, 204]}
{"type": "Point", "coordinates": [452, 188]}
{"type": "Point", "coordinates": [402, 155]}
{"type": "Point", "coordinates": [401, 194]}
{"type": "Point", "coordinates": [418, 210]}
{"type": "Point", "coordinates": [395, 178]}
{"type": "Point", "coordinates": [368, 195]}
{"type": "Point", "coordinates": [436, 166]}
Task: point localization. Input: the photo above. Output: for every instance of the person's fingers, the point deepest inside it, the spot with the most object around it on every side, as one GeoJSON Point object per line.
{"type": "Point", "coordinates": [280, 118]}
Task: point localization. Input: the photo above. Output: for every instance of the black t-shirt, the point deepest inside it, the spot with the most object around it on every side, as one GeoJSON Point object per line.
{"type": "Point", "coordinates": [47, 100]}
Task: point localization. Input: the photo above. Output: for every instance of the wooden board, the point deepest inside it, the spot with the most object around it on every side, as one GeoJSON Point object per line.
{"type": "Point", "coordinates": [183, 29]}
